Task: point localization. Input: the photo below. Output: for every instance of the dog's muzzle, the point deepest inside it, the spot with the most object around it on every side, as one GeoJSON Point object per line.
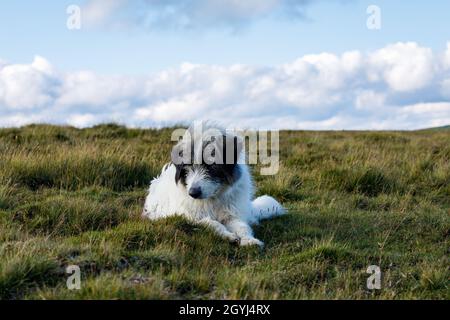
{"type": "Point", "coordinates": [195, 192]}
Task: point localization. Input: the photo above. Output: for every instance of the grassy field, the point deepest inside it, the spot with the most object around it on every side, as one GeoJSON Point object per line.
{"type": "Point", "coordinates": [355, 199]}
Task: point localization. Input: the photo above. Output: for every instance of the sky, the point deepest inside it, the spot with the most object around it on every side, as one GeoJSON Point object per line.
{"type": "Point", "coordinates": [280, 64]}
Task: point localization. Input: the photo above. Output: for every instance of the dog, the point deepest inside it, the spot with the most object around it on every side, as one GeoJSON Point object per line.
{"type": "Point", "coordinates": [204, 188]}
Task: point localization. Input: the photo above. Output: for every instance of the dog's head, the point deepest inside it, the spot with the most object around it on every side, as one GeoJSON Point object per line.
{"type": "Point", "coordinates": [207, 162]}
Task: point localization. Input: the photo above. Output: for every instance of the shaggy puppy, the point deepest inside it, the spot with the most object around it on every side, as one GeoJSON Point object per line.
{"type": "Point", "coordinates": [209, 183]}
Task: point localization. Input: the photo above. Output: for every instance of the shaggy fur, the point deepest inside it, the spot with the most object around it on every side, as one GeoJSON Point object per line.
{"type": "Point", "coordinates": [216, 195]}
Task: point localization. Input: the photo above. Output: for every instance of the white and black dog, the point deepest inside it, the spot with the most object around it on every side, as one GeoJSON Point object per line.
{"type": "Point", "coordinates": [209, 183]}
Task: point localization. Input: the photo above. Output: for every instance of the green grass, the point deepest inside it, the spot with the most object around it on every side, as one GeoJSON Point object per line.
{"type": "Point", "coordinates": [439, 128]}
{"type": "Point", "coordinates": [355, 199]}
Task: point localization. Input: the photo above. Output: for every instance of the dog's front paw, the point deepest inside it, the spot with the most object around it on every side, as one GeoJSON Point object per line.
{"type": "Point", "coordinates": [232, 237]}
{"type": "Point", "coordinates": [251, 242]}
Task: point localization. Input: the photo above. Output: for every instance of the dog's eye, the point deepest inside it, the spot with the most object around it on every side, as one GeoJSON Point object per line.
{"type": "Point", "coordinates": [180, 153]}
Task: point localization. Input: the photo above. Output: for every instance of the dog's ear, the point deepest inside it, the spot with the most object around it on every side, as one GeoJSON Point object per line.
{"type": "Point", "coordinates": [179, 169]}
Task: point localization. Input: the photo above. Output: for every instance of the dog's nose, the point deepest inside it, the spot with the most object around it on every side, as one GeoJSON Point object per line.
{"type": "Point", "coordinates": [195, 192]}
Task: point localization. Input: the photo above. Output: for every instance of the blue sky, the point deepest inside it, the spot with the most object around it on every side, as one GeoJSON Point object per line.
{"type": "Point", "coordinates": [32, 28]}
{"type": "Point", "coordinates": [175, 65]}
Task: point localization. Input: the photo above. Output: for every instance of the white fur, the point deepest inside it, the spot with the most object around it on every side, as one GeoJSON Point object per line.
{"type": "Point", "coordinates": [198, 179]}
{"type": "Point", "coordinates": [227, 210]}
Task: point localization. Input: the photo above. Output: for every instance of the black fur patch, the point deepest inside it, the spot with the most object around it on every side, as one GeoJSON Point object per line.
{"type": "Point", "coordinates": [180, 174]}
{"type": "Point", "coordinates": [221, 173]}
{"type": "Point", "coordinates": [224, 173]}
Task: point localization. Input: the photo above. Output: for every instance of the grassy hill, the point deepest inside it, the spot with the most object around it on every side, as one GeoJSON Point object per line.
{"type": "Point", "coordinates": [439, 128]}
{"type": "Point", "coordinates": [74, 197]}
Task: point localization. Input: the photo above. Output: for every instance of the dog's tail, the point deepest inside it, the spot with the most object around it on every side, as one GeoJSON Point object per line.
{"type": "Point", "coordinates": [266, 207]}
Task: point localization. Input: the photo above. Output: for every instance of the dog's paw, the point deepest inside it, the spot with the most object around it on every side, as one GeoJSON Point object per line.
{"type": "Point", "coordinates": [232, 237]}
{"type": "Point", "coordinates": [251, 242]}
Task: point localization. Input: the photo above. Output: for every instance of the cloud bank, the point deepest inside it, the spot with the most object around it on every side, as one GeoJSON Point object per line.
{"type": "Point", "coordinates": [400, 86]}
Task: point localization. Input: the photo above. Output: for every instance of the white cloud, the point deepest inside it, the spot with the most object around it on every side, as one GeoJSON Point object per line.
{"type": "Point", "coordinates": [445, 88]}
{"type": "Point", "coordinates": [430, 114]}
{"type": "Point", "coordinates": [447, 57]}
{"type": "Point", "coordinates": [404, 66]}
{"type": "Point", "coordinates": [85, 88]}
{"type": "Point", "coordinates": [187, 14]}
{"type": "Point", "coordinates": [369, 100]}
{"type": "Point", "coordinates": [401, 86]}
{"type": "Point", "coordinates": [27, 86]}
{"type": "Point", "coordinates": [438, 109]}
{"type": "Point", "coordinates": [96, 12]}
{"type": "Point", "coordinates": [81, 120]}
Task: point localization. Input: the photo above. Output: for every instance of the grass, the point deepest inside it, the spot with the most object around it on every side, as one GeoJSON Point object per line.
{"type": "Point", "coordinates": [355, 199]}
